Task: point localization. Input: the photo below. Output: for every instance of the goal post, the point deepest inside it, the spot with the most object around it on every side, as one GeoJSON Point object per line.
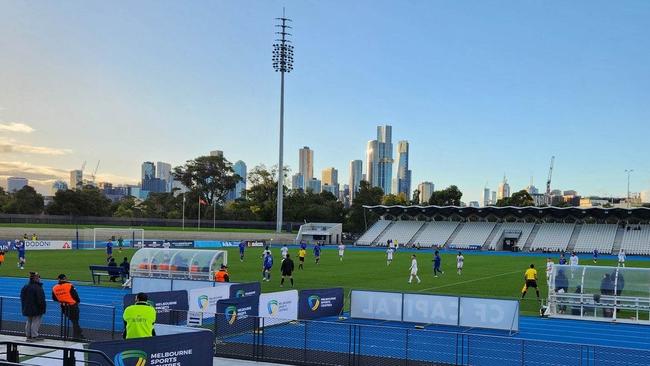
{"type": "Point", "coordinates": [129, 236]}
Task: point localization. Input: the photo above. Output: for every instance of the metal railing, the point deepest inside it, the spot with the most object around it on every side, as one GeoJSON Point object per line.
{"type": "Point", "coordinates": [69, 358]}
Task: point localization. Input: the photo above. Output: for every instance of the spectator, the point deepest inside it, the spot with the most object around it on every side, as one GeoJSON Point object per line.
{"type": "Point", "coordinates": [222, 274]}
{"type": "Point", "coordinates": [34, 237]}
{"type": "Point", "coordinates": [32, 300]}
{"type": "Point", "coordinates": [2, 257]}
{"type": "Point", "coordinates": [561, 287]}
{"type": "Point", "coordinates": [126, 266]}
{"type": "Point", "coordinates": [113, 272]}
{"type": "Point", "coordinates": [139, 318]}
{"type": "Point", "coordinates": [65, 294]}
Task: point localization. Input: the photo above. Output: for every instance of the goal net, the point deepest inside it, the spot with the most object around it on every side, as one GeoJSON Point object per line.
{"type": "Point", "coordinates": [128, 237]}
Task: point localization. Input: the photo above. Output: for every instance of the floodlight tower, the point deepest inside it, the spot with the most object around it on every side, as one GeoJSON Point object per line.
{"type": "Point", "coordinates": [282, 62]}
{"type": "Point", "coordinates": [628, 172]}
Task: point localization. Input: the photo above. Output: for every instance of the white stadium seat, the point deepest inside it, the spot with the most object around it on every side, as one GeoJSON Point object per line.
{"type": "Point", "coordinates": [435, 233]}
{"type": "Point", "coordinates": [636, 241]}
{"type": "Point", "coordinates": [596, 236]}
{"type": "Point", "coordinates": [525, 228]}
{"type": "Point", "coordinates": [375, 230]}
{"type": "Point", "coordinates": [553, 237]}
{"type": "Point", "coordinates": [472, 235]}
{"type": "Point", "coordinates": [400, 231]}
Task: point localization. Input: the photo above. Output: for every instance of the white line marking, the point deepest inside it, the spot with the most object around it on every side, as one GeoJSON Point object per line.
{"type": "Point", "coordinates": [468, 281]}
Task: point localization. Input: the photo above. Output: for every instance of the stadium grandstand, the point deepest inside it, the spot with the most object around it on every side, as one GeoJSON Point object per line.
{"type": "Point", "coordinates": [534, 229]}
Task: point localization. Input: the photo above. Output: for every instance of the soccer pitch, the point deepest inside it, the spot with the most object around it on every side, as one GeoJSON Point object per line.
{"type": "Point", "coordinates": [484, 275]}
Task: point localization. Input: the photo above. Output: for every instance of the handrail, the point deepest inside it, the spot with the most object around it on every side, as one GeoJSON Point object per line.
{"type": "Point", "coordinates": [59, 348]}
{"type": "Point", "coordinates": [52, 301]}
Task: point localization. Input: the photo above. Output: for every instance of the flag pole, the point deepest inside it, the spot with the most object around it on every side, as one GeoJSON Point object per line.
{"type": "Point", "coordinates": [183, 210]}
{"type": "Point", "coordinates": [214, 214]}
{"type": "Point", "coordinates": [198, 228]}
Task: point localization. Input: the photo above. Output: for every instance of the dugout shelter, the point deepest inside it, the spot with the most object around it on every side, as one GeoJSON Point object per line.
{"type": "Point", "coordinates": [192, 264]}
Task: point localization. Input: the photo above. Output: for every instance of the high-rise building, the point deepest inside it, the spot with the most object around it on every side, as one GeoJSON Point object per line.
{"type": "Point", "coordinates": [164, 173]}
{"type": "Point", "coordinates": [356, 169]}
{"type": "Point", "coordinates": [493, 198]}
{"type": "Point", "coordinates": [330, 176]}
{"type": "Point", "coordinates": [379, 159]}
{"type": "Point", "coordinates": [148, 171]}
{"type": "Point", "coordinates": [149, 181]}
{"type": "Point", "coordinates": [314, 184]}
{"type": "Point", "coordinates": [76, 179]}
{"type": "Point", "coordinates": [473, 204]}
{"type": "Point", "coordinates": [486, 196]}
{"type": "Point", "coordinates": [216, 153]}
{"type": "Point", "coordinates": [58, 185]}
{"type": "Point", "coordinates": [15, 184]}
{"type": "Point", "coordinates": [240, 169]}
{"type": "Point", "coordinates": [297, 182]}
{"type": "Point", "coordinates": [426, 190]}
{"type": "Point", "coordinates": [306, 163]}
{"type": "Point", "coordinates": [403, 179]}
{"type": "Point", "coordinates": [503, 190]}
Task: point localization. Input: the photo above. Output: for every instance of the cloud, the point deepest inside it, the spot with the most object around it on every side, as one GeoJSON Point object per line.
{"type": "Point", "coordinates": [16, 127]}
{"type": "Point", "coordinates": [10, 146]}
{"type": "Point", "coordinates": [32, 172]}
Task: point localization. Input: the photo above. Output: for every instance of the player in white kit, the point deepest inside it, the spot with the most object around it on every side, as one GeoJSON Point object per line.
{"type": "Point", "coordinates": [341, 251]}
{"type": "Point", "coordinates": [284, 251]}
{"type": "Point", "coordinates": [549, 269]}
{"type": "Point", "coordinates": [389, 255]}
{"type": "Point", "coordinates": [573, 262]}
{"type": "Point", "coordinates": [414, 269]}
{"type": "Point", "coordinates": [460, 260]}
{"type": "Point", "coordinates": [621, 258]}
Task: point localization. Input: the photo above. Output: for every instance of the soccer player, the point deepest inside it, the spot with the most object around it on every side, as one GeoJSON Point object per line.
{"type": "Point", "coordinates": [301, 258]}
{"type": "Point", "coordinates": [284, 251]}
{"type": "Point", "coordinates": [341, 251]}
{"type": "Point", "coordinates": [109, 249]}
{"type": "Point", "coordinates": [242, 248]}
{"type": "Point", "coordinates": [120, 244]}
{"type": "Point", "coordinates": [303, 245]}
{"type": "Point", "coordinates": [20, 247]}
{"type": "Point", "coordinates": [287, 270]}
{"type": "Point", "coordinates": [389, 255]}
{"type": "Point", "coordinates": [317, 253]}
{"type": "Point", "coordinates": [531, 281]}
{"type": "Point", "coordinates": [414, 269]}
{"type": "Point", "coordinates": [595, 255]}
{"type": "Point", "coordinates": [460, 260]}
{"type": "Point", "coordinates": [436, 264]}
{"type": "Point", "coordinates": [266, 267]}
{"type": "Point", "coordinates": [621, 258]}
{"type": "Point", "coordinates": [2, 257]}
{"type": "Point", "coordinates": [573, 262]}
{"type": "Point", "coordinates": [549, 269]}
{"type": "Point", "coordinates": [562, 261]}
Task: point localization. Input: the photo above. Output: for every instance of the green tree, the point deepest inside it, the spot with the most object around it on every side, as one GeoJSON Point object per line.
{"type": "Point", "coordinates": [165, 205]}
{"type": "Point", "coordinates": [449, 196]}
{"type": "Point", "coordinates": [24, 201]}
{"type": "Point", "coordinates": [518, 199]}
{"type": "Point", "coordinates": [415, 200]}
{"type": "Point", "coordinates": [4, 199]}
{"type": "Point", "coordinates": [369, 196]}
{"type": "Point", "coordinates": [87, 201]}
{"type": "Point", "coordinates": [127, 207]}
{"type": "Point", "coordinates": [312, 207]}
{"type": "Point", "coordinates": [391, 200]}
{"type": "Point", "coordinates": [211, 177]}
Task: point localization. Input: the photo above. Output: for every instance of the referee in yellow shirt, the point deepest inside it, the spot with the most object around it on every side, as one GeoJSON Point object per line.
{"type": "Point", "coordinates": [531, 281]}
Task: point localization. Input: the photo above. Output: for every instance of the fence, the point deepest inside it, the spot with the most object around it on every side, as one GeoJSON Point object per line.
{"type": "Point", "coordinates": [98, 322]}
{"type": "Point", "coordinates": [347, 344]}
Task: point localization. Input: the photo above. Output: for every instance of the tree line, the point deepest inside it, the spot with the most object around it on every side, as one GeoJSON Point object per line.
{"type": "Point", "coordinates": [209, 181]}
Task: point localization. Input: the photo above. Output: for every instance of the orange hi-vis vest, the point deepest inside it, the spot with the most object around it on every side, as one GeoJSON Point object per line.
{"type": "Point", "coordinates": [194, 268]}
{"type": "Point", "coordinates": [62, 293]}
{"type": "Point", "coordinates": [220, 276]}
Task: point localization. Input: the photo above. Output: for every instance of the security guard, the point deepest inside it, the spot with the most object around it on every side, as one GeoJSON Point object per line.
{"type": "Point", "coordinates": [222, 274]}
{"type": "Point", "coordinates": [65, 294]}
{"type": "Point", "coordinates": [139, 318]}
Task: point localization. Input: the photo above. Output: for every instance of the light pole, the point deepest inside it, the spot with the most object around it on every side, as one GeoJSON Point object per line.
{"type": "Point", "coordinates": [629, 172]}
{"type": "Point", "coordinates": [282, 62]}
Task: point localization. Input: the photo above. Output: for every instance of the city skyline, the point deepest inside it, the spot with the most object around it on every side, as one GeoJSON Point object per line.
{"type": "Point", "coordinates": [467, 112]}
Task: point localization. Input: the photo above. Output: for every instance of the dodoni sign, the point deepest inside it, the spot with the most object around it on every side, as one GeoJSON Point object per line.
{"type": "Point", "coordinates": [376, 305]}
{"type": "Point", "coordinates": [430, 309]}
{"type": "Point", "coordinates": [47, 244]}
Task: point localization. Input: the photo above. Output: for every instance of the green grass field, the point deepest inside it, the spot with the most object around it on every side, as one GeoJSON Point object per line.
{"type": "Point", "coordinates": [483, 275]}
{"type": "Point", "coordinates": [20, 228]}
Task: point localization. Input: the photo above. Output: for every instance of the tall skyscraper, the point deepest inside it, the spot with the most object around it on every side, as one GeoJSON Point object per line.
{"type": "Point", "coordinates": [493, 198]}
{"type": "Point", "coordinates": [15, 184]}
{"type": "Point", "coordinates": [379, 159]}
{"type": "Point", "coordinates": [148, 171]}
{"type": "Point", "coordinates": [426, 190]}
{"type": "Point", "coordinates": [306, 163]}
{"type": "Point", "coordinates": [149, 181]}
{"type": "Point", "coordinates": [314, 184]}
{"type": "Point", "coordinates": [486, 196]}
{"type": "Point", "coordinates": [164, 173]}
{"type": "Point", "coordinates": [503, 190]}
{"type": "Point", "coordinates": [297, 181]}
{"type": "Point", "coordinates": [240, 169]}
{"type": "Point", "coordinates": [58, 185]}
{"type": "Point", "coordinates": [356, 172]}
{"type": "Point", "coordinates": [76, 179]}
{"type": "Point", "coordinates": [330, 176]}
{"type": "Point", "coordinates": [403, 179]}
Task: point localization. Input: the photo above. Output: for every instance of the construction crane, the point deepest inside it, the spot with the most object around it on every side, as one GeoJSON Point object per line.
{"type": "Point", "coordinates": [95, 172]}
{"type": "Point", "coordinates": [548, 181]}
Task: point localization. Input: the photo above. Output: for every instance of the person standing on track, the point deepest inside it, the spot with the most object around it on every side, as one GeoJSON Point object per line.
{"type": "Point", "coordinates": [621, 258]}
{"type": "Point", "coordinates": [222, 274]}
{"type": "Point", "coordinates": [530, 276]}
{"type": "Point", "coordinates": [65, 294]}
{"type": "Point", "coordinates": [414, 269]}
{"type": "Point", "coordinates": [139, 318]}
{"type": "Point", "coordinates": [389, 256]}
{"type": "Point", "coordinates": [460, 261]}
{"type": "Point", "coordinates": [436, 264]}
{"type": "Point", "coordinates": [341, 251]}
{"type": "Point", "coordinates": [287, 270]}
{"type": "Point", "coordinates": [32, 300]}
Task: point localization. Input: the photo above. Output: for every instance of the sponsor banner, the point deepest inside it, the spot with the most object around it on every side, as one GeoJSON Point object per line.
{"type": "Point", "coordinates": [376, 305]}
{"type": "Point", "coordinates": [320, 303]}
{"type": "Point", "coordinates": [165, 302]}
{"type": "Point", "coordinates": [238, 290]}
{"type": "Point", "coordinates": [236, 315]}
{"type": "Point", "coordinates": [489, 313]}
{"type": "Point", "coordinates": [278, 307]}
{"type": "Point", "coordinates": [47, 244]}
{"type": "Point", "coordinates": [255, 243]}
{"type": "Point", "coordinates": [430, 309]}
{"type": "Point", "coordinates": [163, 244]}
{"type": "Point", "coordinates": [183, 349]}
{"type": "Point", "coordinates": [145, 284]}
{"type": "Point", "coordinates": [190, 284]}
{"type": "Point", "coordinates": [205, 299]}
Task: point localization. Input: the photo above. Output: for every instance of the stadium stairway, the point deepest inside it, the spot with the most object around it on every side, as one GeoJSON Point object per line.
{"type": "Point", "coordinates": [574, 238]}
{"type": "Point", "coordinates": [618, 240]}
{"type": "Point", "coordinates": [417, 234]}
{"type": "Point", "coordinates": [454, 234]}
{"type": "Point", "coordinates": [490, 238]}
{"type": "Point", "coordinates": [531, 238]}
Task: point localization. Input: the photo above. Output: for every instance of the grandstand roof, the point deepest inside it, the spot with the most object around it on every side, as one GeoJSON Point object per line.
{"type": "Point", "coordinates": [640, 213]}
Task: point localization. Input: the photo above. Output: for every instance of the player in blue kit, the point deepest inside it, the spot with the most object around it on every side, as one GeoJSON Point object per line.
{"type": "Point", "coordinates": [20, 247]}
{"type": "Point", "coordinates": [266, 267]}
{"type": "Point", "coordinates": [317, 252]}
{"type": "Point", "coordinates": [109, 249]}
{"type": "Point", "coordinates": [242, 247]}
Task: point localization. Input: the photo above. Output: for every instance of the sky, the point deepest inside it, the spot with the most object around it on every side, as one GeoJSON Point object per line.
{"type": "Point", "coordinates": [479, 88]}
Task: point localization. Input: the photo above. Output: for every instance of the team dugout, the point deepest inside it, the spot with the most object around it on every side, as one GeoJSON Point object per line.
{"type": "Point", "coordinates": [177, 263]}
